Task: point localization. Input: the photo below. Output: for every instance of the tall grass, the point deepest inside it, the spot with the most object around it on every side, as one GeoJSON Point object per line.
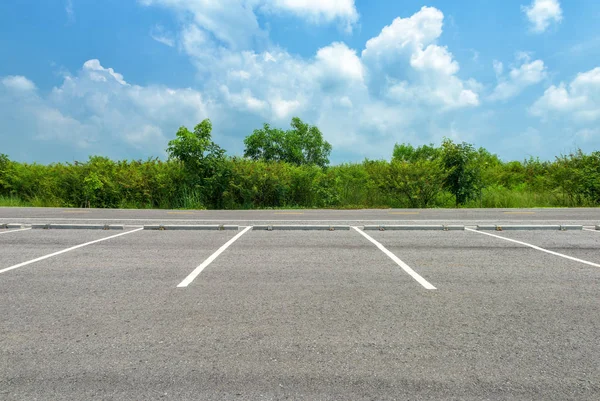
{"type": "Point", "coordinates": [13, 201]}
{"type": "Point", "coordinates": [191, 200]}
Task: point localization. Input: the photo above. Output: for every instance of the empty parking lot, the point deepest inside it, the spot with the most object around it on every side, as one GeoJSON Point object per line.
{"type": "Point", "coordinates": [252, 313]}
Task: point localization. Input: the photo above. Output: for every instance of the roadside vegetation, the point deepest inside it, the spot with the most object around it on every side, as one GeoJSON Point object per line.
{"type": "Point", "coordinates": [291, 169]}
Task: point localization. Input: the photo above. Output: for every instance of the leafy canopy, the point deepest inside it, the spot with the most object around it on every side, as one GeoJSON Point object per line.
{"type": "Point", "coordinates": [204, 161]}
{"type": "Point", "coordinates": [303, 144]}
{"type": "Point", "coordinates": [194, 148]}
{"type": "Point", "coordinates": [407, 153]}
{"type": "Point", "coordinates": [463, 172]}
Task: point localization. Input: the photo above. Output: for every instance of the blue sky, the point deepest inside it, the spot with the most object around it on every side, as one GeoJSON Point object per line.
{"type": "Point", "coordinates": [118, 77]}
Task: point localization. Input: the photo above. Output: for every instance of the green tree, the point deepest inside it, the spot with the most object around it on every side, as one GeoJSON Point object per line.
{"type": "Point", "coordinates": [203, 160]}
{"type": "Point", "coordinates": [195, 150]}
{"type": "Point", "coordinates": [303, 144]}
{"type": "Point", "coordinates": [407, 153]}
{"type": "Point", "coordinates": [4, 174]}
{"type": "Point", "coordinates": [266, 144]}
{"type": "Point", "coordinates": [463, 174]}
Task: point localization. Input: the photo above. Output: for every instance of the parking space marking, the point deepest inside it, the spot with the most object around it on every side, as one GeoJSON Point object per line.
{"type": "Point", "coordinates": [66, 250]}
{"type": "Point", "coordinates": [536, 248]}
{"type": "Point", "coordinates": [188, 280]}
{"type": "Point", "coordinates": [589, 229]}
{"type": "Point", "coordinates": [400, 263]}
{"type": "Point", "coordinates": [15, 231]}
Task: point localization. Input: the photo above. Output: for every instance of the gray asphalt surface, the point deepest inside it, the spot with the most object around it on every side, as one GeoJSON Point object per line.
{"type": "Point", "coordinates": [300, 315]}
{"type": "Point", "coordinates": [585, 216]}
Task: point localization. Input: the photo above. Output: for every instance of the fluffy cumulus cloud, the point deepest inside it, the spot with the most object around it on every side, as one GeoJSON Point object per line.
{"type": "Point", "coordinates": [97, 109]}
{"type": "Point", "coordinates": [579, 101]}
{"type": "Point", "coordinates": [542, 13]}
{"type": "Point", "coordinates": [18, 83]}
{"type": "Point", "coordinates": [402, 82]}
{"type": "Point", "coordinates": [521, 76]}
{"type": "Point", "coordinates": [358, 97]}
{"type": "Point", "coordinates": [405, 54]}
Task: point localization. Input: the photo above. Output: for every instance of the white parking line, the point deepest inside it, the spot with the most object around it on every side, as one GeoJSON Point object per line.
{"type": "Point", "coordinates": [66, 250]}
{"type": "Point", "coordinates": [589, 229]}
{"type": "Point", "coordinates": [15, 231]}
{"type": "Point", "coordinates": [536, 248]}
{"type": "Point", "coordinates": [188, 280]}
{"type": "Point", "coordinates": [400, 263]}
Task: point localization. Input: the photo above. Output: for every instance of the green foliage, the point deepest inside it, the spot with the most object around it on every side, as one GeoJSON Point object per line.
{"type": "Point", "coordinates": [13, 201]}
{"type": "Point", "coordinates": [203, 162]}
{"type": "Point", "coordinates": [301, 145]}
{"type": "Point", "coordinates": [577, 177]}
{"type": "Point", "coordinates": [463, 172]}
{"type": "Point", "coordinates": [407, 153]}
{"type": "Point", "coordinates": [199, 175]}
{"type": "Point", "coordinates": [193, 149]}
{"type": "Point", "coordinates": [419, 183]}
{"type": "Point", "coordinates": [4, 166]}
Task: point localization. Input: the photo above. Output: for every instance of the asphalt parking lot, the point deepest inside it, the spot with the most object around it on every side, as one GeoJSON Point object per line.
{"type": "Point", "coordinates": [321, 315]}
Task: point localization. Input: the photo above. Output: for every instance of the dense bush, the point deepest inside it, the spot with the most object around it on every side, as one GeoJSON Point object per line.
{"type": "Point", "coordinates": [239, 183]}
{"type": "Point", "coordinates": [199, 175]}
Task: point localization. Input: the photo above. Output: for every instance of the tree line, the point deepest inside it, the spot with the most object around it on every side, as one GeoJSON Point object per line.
{"type": "Point", "coordinates": [291, 169]}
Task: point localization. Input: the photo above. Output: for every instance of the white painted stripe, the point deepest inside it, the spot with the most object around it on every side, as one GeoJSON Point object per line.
{"type": "Point", "coordinates": [536, 248]}
{"type": "Point", "coordinates": [188, 280]}
{"type": "Point", "coordinates": [15, 231]}
{"type": "Point", "coordinates": [592, 230]}
{"type": "Point", "coordinates": [400, 263]}
{"type": "Point", "coordinates": [66, 250]}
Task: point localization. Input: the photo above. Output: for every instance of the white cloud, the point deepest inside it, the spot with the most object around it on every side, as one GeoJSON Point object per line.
{"type": "Point", "coordinates": [232, 23]}
{"type": "Point", "coordinates": [99, 73]}
{"type": "Point", "coordinates": [338, 63]}
{"type": "Point", "coordinates": [578, 101]}
{"type": "Point", "coordinates": [405, 36]}
{"type": "Point", "coordinates": [165, 40]}
{"type": "Point", "coordinates": [318, 10]}
{"type": "Point", "coordinates": [403, 82]}
{"type": "Point", "coordinates": [434, 58]}
{"type": "Point", "coordinates": [407, 49]}
{"type": "Point", "coordinates": [96, 109]}
{"type": "Point", "coordinates": [244, 100]}
{"type": "Point", "coordinates": [162, 36]}
{"type": "Point", "coordinates": [541, 13]}
{"type": "Point", "coordinates": [284, 109]}
{"type": "Point", "coordinates": [520, 77]}
{"type": "Point", "coordinates": [18, 83]}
